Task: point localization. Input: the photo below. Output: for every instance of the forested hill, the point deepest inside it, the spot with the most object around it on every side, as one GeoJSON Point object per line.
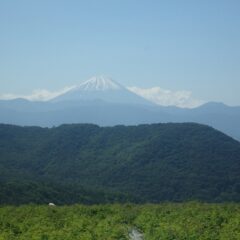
{"type": "Point", "coordinates": [147, 163]}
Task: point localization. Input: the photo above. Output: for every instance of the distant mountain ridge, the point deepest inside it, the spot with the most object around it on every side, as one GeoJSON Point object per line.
{"type": "Point", "coordinates": [148, 163]}
{"type": "Point", "coordinates": [47, 114]}
{"type": "Point", "coordinates": [104, 102]}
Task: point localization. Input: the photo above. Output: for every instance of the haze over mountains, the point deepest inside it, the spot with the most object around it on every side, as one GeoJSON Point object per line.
{"type": "Point", "coordinates": [102, 101]}
{"type": "Point", "coordinates": [175, 161]}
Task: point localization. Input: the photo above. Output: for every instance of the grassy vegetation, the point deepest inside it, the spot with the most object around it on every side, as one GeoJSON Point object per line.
{"type": "Point", "coordinates": [164, 221]}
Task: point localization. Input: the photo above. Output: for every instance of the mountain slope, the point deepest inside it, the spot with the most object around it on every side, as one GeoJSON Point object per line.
{"type": "Point", "coordinates": [159, 162]}
{"type": "Point", "coordinates": [48, 114]}
{"type": "Point", "coordinates": [218, 115]}
{"type": "Point", "coordinates": [104, 102]}
{"type": "Point", "coordinates": [104, 89]}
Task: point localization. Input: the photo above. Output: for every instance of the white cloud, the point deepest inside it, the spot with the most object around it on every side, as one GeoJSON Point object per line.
{"type": "Point", "coordinates": [157, 95]}
{"type": "Point", "coordinates": [37, 95]}
{"type": "Point", "coordinates": [165, 97]}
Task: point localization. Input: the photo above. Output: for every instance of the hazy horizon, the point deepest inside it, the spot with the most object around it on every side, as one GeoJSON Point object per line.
{"type": "Point", "coordinates": [158, 48]}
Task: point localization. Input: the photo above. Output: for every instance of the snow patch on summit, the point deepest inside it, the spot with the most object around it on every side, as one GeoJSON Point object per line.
{"type": "Point", "coordinates": [99, 84]}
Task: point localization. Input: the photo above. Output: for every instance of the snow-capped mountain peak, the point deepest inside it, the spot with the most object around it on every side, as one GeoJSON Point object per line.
{"type": "Point", "coordinates": [104, 89]}
{"type": "Point", "coordinates": [99, 83]}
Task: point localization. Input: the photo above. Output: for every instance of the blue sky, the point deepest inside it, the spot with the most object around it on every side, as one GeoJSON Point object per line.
{"type": "Point", "coordinates": [190, 45]}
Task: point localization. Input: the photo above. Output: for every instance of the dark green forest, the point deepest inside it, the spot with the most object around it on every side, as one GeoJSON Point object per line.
{"type": "Point", "coordinates": [188, 221]}
{"type": "Point", "coordinates": [84, 163]}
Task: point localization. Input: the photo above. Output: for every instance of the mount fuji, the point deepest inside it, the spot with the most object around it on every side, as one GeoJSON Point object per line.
{"type": "Point", "coordinates": [103, 89]}
{"type": "Point", "coordinates": [102, 101]}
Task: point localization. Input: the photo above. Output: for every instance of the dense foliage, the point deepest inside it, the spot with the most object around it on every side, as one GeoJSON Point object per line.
{"type": "Point", "coordinates": [192, 221]}
{"type": "Point", "coordinates": [44, 192]}
{"type": "Point", "coordinates": [86, 163]}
